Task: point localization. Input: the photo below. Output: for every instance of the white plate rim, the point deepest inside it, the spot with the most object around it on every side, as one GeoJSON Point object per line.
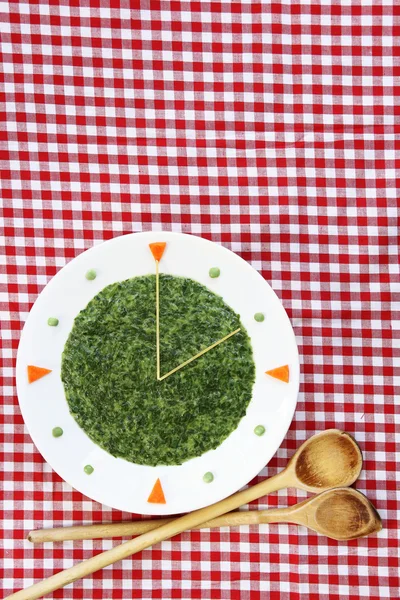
{"type": "Point", "coordinates": [227, 480]}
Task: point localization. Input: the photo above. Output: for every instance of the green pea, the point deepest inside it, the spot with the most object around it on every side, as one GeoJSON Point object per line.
{"type": "Point", "coordinates": [88, 469]}
{"type": "Point", "coordinates": [57, 432]}
{"type": "Point", "coordinates": [214, 272]}
{"type": "Point", "coordinates": [52, 321]}
{"type": "Point", "coordinates": [91, 274]}
{"type": "Point", "coordinates": [259, 317]}
{"type": "Point", "coordinates": [208, 477]}
{"type": "Point", "coordinates": [259, 430]}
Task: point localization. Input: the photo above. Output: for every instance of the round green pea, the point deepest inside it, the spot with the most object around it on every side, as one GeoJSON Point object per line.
{"type": "Point", "coordinates": [91, 274]}
{"type": "Point", "coordinates": [214, 272]}
{"type": "Point", "coordinates": [52, 321]}
{"type": "Point", "coordinates": [208, 477]}
{"type": "Point", "coordinates": [57, 432]}
{"type": "Point", "coordinates": [88, 469]}
{"type": "Point", "coordinates": [259, 317]}
{"type": "Point", "coordinates": [259, 430]}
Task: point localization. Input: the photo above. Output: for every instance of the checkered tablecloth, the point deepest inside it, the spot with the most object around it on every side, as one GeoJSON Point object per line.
{"type": "Point", "coordinates": [270, 128]}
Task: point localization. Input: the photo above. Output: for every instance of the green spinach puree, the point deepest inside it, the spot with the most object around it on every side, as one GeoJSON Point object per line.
{"type": "Point", "coordinates": [109, 371]}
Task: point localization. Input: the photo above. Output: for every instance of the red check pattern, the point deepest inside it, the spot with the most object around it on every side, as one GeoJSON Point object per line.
{"type": "Point", "coordinates": [272, 129]}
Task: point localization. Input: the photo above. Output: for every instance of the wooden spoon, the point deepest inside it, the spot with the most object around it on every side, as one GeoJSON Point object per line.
{"type": "Point", "coordinates": [328, 459]}
{"type": "Point", "coordinates": [340, 513]}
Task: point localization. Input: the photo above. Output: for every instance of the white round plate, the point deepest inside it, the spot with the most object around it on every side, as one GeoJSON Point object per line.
{"type": "Point", "coordinates": [115, 481]}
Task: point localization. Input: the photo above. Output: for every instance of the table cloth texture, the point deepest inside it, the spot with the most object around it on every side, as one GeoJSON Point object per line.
{"type": "Point", "coordinates": [272, 129]}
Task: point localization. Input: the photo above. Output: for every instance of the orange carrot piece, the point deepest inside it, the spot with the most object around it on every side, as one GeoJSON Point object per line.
{"type": "Point", "coordinates": [157, 494]}
{"type": "Point", "coordinates": [157, 249]}
{"type": "Point", "coordinates": [35, 373]}
{"type": "Point", "coordinates": [281, 373]}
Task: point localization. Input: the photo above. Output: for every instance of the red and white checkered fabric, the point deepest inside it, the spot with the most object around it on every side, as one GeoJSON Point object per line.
{"type": "Point", "coordinates": [272, 129]}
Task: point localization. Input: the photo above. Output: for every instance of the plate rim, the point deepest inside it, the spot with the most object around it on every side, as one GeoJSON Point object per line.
{"type": "Point", "coordinates": [155, 509]}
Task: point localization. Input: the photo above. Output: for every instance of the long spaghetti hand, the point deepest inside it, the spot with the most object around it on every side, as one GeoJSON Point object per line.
{"type": "Point", "coordinates": [157, 250]}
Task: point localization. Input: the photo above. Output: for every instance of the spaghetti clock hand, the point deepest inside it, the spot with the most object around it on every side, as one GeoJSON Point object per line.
{"type": "Point", "coordinates": [157, 250]}
{"type": "Point", "coordinates": [199, 354]}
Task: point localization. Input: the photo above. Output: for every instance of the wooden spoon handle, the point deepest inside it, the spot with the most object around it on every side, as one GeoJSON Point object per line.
{"type": "Point", "coordinates": [92, 532]}
{"type": "Point", "coordinates": [150, 538]}
{"type": "Point", "coordinates": [131, 528]}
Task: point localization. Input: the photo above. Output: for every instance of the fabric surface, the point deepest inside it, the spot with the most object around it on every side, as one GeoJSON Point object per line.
{"type": "Point", "coordinates": [272, 129]}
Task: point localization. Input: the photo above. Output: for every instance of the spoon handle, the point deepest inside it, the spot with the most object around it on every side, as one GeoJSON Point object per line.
{"type": "Point", "coordinates": [131, 528]}
{"type": "Point", "coordinates": [150, 538]}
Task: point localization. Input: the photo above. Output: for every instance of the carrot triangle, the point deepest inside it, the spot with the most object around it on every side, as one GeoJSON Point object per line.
{"type": "Point", "coordinates": [157, 494]}
{"type": "Point", "coordinates": [281, 373]}
{"type": "Point", "coordinates": [35, 373]}
{"type": "Point", "coordinates": [157, 249]}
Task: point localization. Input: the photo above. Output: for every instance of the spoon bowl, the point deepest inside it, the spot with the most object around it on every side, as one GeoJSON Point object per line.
{"type": "Point", "coordinates": [327, 460]}
{"type": "Point", "coordinates": [340, 514]}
